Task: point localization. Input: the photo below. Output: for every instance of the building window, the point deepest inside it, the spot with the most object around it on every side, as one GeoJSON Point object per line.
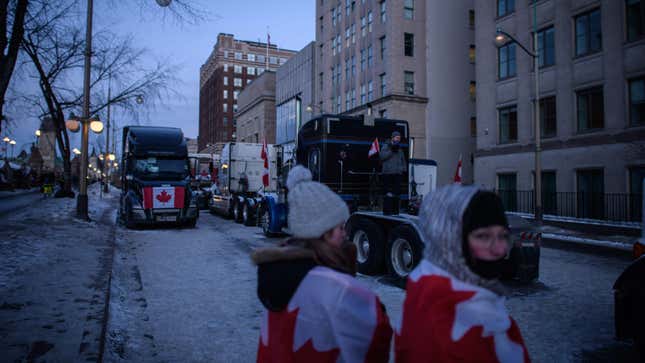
{"type": "Point", "coordinates": [273, 60]}
{"type": "Point", "coordinates": [236, 94]}
{"type": "Point", "coordinates": [471, 18]}
{"type": "Point", "coordinates": [382, 6]}
{"type": "Point", "coordinates": [321, 81]}
{"type": "Point", "coordinates": [338, 73]}
{"type": "Point", "coordinates": [225, 81]}
{"type": "Point", "coordinates": [549, 192]}
{"type": "Point", "coordinates": [237, 82]}
{"type": "Point", "coordinates": [363, 95]}
{"type": "Point", "coordinates": [507, 189]}
{"type": "Point", "coordinates": [370, 91]}
{"type": "Point", "coordinates": [353, 66]}
{"type": "Point", "coordinates": [225, 107]}
{"type": "Point", "coordinates": [225, 67]}
{"type": "Point", "coordinates": [333, 46]}
{"type": "Point", "coordinates": [353, 33]}
{"type": "Point", "coordinates": [226, 54]}
{"type": "Point", "coordinates": [591, 114]}
{"type": "Point", "coordinates": [506, 61]}
{"type": "Point", "coordinates": [588, 33]}
{"type": "Point", "coordinates": [635, 19]}
{"type": "Point", "coordinates": [363, 26]}
{"type": "Point", "coordinates": [238, 55]}
{"type": "Point", "coordinates": [408, 44]}
{"type": "Point", "coordinates": [261, 58]}
{"type": "Point", "coordinates": [590, 194]}
{"type": "Point", "coordinates": [548, 118]}
{"type": "Point", "coordinates": [370, 57]}
{"type": "Point", "coordinates": [225, 121]}
{"type": "Point", "coordinates": [284, 60]}
{"type": "Point", "coordinates": [546, 47]}
{"type": "Point", "coordinates": [339, 47]}
{"type": "Point", "coordinates": [636, 177]}
{"type": "Point", "coordinates": [370, 19]}
{"type": "Point", "coordinates": [363, 59]}
{"type": "Point", "coordinates": [408, 9]}
{"type": "Point", "coordinates": [248, 81]}
{"type": "Point", "coordinates": [237, 69]}
{"type": "Point", "coordinates": [347, 95]}
{"type": "Point", "coordinates": [348, 4]}
{"type": "Point", "coordinates": [250, 71]}
{"type": "Point", "coordinates": [259, 70]}
{"type": "Point", "coordinates": [505, 7]}
{"type": "Point", "coordinates": [353, 98]}
{"type": "Point", "coordinates": [382, 82]}
{"type": "Point", "coordinates": [637, 101]}
{"type": "Point", "coordinates": [333, 16]}
{"type": "Point", "coordinates": [473, 126]}
{"type": "Point", "coordinates": [339, 13]}
{"type": "Point", "coordinates": [338, 104]}
{"type": "Point", "coordinates": [472, 90]}
{"type": "Point", "coordinates": [333, 76]}
{"type": "Point", "coordinates": [347, 68]}
{"type": "Point", "coordinates": [408, 82]}
{"type": "Point", "coordinates": [225, 94]}
{"type": "Point", "coordinates": [235, 107]}
{"type": "Point", "coordinates": [471, 54]}
{"type": "Point", "coordinates": [507, 125]}
{"type": "Point", "coordinates": [383, 45]}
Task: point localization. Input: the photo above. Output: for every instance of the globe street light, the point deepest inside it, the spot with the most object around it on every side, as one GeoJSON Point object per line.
{"type": "Point", "coordinates": [13, 145]}
{"type": "Point", "coordinates": [501, 38]}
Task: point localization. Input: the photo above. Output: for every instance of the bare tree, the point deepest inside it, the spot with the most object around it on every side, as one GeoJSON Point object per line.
{"type": "Point", "coordinates": [56, 52]}
{"type": "Point", "coordinates": [9, 43]}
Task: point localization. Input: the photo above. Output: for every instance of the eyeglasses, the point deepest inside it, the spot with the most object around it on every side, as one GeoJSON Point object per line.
{"type": "Point", "coordinates": [488, 238]}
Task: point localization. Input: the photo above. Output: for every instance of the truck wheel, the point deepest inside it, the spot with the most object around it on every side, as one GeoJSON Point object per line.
{"type": "Point", "coordinates": [237, 211]}
{"type": "Point", "coordinates": [404, 251]}
{"type": "Point", "coordinates": [264, 221]}
{"type": "Point", "coordinates": [367, 236]}
{"type": "Point", "coordinates": [247, 215]}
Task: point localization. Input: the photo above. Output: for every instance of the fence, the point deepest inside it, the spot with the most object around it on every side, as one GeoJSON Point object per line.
{"type": "Point", "coordinates": [621, 207]}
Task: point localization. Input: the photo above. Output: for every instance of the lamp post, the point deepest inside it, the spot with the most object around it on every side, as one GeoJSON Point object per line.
{"type": "Point", "coordinates": [503, 37]}
{"type": "Point", "coordinates": [13, 145]}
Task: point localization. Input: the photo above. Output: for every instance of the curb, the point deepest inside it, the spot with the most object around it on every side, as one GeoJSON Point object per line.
{"type": "Point", "coordinates": [620, 246]}
{"type": "Point", "coordinates": [106, 309]}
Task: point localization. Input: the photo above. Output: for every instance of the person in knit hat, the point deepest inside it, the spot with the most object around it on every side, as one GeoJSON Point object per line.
{"type": "Point", "coordinates": [454, 306]}
{"type": "Point", "coordinates": [316, 310]}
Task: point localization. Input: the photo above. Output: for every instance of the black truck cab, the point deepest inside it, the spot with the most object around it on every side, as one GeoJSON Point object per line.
{"type": "Point", "coordinates": [156, 177]}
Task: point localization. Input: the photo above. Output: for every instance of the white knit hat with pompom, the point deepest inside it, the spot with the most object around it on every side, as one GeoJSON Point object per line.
{"type": "Point", "coordinates": [313, 208]}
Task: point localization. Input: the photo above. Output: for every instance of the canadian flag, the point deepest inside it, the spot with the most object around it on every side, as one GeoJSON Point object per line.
{"type": "Point", "coordinates": [458, 172]}
{"type": "Point", "coordinates": [163, 197]}
{"type": "Point", "coordinates": [265, 156]}
{"type": "Point", "coordinates": [375, 148]}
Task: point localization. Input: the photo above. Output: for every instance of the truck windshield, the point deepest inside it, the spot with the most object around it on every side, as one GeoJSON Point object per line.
{"type": "Point", "coordinates": [156, 168]}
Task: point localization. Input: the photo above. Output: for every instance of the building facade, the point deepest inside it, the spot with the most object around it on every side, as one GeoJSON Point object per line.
{"type": "Point", "coordinates": [396, 56]}
{"type": "Point", "coordinates": [592, 101]}
{"type": "Point", "coordinates": [295, 95]}
{"type": "Point", "coordinates": [255, 118]}
{"type": "Point", "coordinates": [231, 66]}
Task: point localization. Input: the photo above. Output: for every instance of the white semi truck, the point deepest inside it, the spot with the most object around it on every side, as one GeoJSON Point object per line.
{"type": "Point", "coordinates": [239, 187]}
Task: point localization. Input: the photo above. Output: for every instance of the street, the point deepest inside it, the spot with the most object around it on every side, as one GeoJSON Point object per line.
{"type": "Point", "coordinates": [189, 295]}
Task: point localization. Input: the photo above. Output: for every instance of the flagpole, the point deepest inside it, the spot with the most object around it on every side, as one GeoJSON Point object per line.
{"type": "Point", "coordinates": [267, 57]}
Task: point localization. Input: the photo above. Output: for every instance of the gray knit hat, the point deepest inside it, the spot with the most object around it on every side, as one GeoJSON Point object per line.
{"type": "Point", "coordinates": [313, 208]}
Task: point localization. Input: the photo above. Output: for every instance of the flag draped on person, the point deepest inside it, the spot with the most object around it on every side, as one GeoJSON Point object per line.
{"type": "Point", "coordinates": [458, 172]}
{"type": "Point", "coordinates": [265, 156]}
{"type": "Point", "coordinates": [374, 148]}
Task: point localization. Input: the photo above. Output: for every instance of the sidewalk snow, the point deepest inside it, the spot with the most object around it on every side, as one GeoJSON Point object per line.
{"type": "Point", "coordinates": [53, 279]}
{"type": "Point", "coordinates": [618, 242]}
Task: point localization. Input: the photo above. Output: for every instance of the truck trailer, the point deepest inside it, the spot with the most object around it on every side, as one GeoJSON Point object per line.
{"type": "Point", "coordinates": [155, 178]}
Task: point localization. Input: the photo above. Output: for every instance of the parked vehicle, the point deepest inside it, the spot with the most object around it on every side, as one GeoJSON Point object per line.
{"type": "Point", "coordinates": [203, 174]}
{"type": "Point", "coordinates": [239, 188]}
{"type": "Point", "coordinates": [335, 149]}
{"type": "Point", "coordinates": [155, 178]}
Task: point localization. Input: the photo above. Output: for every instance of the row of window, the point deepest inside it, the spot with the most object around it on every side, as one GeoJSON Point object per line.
{"type": "Point", "coordinates": [252, 71]}
{"type": "Point", "coordinates": [237, 82]}
{"type": "Point", "coordinates": [235, 94]}
{"type": "Point", "coordinates": [252, 57]}
{"type": "Point", "coordinates": [337, 12]}
{"type": "Point", "coordinates": [590, 114]}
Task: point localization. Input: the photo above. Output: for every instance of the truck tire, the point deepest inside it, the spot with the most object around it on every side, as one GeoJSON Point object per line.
{"type": "Point", "coordinates": [404, 251]}
{"type": "Point", "coordinates": [248, 217]}
{"type": "Point", "coordinates": [264, 220]}
{"type": "Point", "coordinates": [237, 211]}
{"type": "Point", "coordinates": [367, 236]}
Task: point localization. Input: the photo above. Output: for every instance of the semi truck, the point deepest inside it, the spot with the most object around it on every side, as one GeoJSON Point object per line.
{"type": "Point", "coordinates": [155, 178]}
{"type": "Point", "coordinates": [239, 187]}
{"type": "Point", "coordinates": [335, 149]}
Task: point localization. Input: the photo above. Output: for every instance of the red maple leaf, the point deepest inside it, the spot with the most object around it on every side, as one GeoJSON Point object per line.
{"type": "Point", "coordinates": [279, 349]}
{"type": "Point", "coordinates": [164, 197]}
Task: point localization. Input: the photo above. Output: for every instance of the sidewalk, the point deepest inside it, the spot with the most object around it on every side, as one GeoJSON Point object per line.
{"type": "Point", "coordinates": [54, 273]}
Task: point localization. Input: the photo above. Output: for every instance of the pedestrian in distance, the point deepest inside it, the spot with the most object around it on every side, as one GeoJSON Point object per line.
{"type": "Point", "coordinates": [316, 310]}
{"type": "Point", "coordinates": [454, 306]}
{"type": "Point", "coordinates": [394, 165]}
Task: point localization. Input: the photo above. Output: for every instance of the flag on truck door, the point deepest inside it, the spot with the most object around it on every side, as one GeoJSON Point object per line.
{"type": "Point", "coordinates": [458, 172]}
{"type": "Point", "coordinates": [265, 157]}
{"type": "Point", "coordinates": [163, 197]}
{"type": "Point", "coordinates": [375, 148]}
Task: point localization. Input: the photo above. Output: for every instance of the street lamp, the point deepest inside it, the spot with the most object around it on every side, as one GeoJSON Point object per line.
{"type": "Point", "coordinates": [310, 108]}
{"type": "Point", "coordinates": [13, 145]}
{"type": "Point", "coordinates": [76, 151]}
{"type": "Point", "coordinates": [73, 124]}
{"type": "Point", "coordinates": [38, 133]}
{"type": "Point", "coordinates": [501, 38]}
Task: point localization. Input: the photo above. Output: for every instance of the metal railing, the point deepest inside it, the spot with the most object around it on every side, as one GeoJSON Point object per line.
{"type": "Point", "coordinates": [620, 207]}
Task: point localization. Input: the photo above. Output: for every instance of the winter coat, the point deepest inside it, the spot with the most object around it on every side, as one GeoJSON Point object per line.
{"type": "Point", "coordinates": [316, 314]}
{"type": "Point", "coordinates": [450, 313]}
{"type": "Point", "coordinates": [393, 161]}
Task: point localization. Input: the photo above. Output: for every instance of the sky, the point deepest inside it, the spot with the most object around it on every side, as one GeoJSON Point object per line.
{"type": "Point", "coordinates": [291, 24]}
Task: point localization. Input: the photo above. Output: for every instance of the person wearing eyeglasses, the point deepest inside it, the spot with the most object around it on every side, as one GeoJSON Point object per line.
{"type": "Point", "coordinates": [454, 306]}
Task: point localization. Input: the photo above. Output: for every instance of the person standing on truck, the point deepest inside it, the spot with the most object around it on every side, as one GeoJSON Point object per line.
{"type": "Point", "coordinates": [315, 308]}
{"type": "Point", "coordinates": [394, 165]}
{"type": "Point", "coordinates": [454, 306]}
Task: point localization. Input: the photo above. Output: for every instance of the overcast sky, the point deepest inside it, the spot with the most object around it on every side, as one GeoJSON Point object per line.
{"type": "Point", "coordinates": [291, 24]}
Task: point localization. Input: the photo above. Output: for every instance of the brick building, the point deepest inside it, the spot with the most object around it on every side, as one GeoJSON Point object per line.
{"type": "Point", "coordinates": [231, 66]}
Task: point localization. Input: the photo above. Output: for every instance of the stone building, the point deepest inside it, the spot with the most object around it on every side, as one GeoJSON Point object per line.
{"type": "Point", "coordinates": [255, 118]}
